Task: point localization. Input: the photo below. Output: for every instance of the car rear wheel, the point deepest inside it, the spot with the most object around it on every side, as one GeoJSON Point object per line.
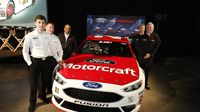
{"type": "Point", "coordinates": [10, 9]}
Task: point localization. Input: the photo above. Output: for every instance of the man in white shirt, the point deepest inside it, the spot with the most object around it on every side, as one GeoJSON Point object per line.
{"type": "Point", "coordinates": [36, 54]}
{"type": "Point", "coordinates": [57, 45]}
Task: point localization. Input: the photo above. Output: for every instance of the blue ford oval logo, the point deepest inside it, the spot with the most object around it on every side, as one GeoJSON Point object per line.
{"type": "Point", "coordinates": [92, 85]}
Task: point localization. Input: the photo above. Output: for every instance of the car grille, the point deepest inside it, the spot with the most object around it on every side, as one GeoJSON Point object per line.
{"type": "Point", "coordinates": [95, 96]}
{"type": "Point", "coordinates": [83, 108]}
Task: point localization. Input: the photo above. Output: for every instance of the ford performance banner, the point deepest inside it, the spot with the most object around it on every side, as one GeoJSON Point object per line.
{"type": "Point", "coordinates": [113, 25]}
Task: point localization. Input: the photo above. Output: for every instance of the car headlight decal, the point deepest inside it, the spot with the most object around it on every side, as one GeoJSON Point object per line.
{"type": "Point", "coordinates": [133, 87]}
{"type": "Point", "coordinates": [59, 80]}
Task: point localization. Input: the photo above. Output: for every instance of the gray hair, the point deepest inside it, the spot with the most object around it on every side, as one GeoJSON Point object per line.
{"type": "Point", "coordinates": [150, 23]}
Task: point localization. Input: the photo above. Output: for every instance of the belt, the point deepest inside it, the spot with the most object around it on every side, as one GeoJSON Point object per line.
{"type": "Point", "coordinates": [42, 59]}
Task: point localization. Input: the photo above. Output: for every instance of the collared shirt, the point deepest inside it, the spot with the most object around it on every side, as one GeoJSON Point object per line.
{"type": "Point", "coordinates": [66, 36]}
{"type": "Point", "coordinates": [148, 34]}
{"type": "Point", "coordinates": [37, 43]}
{"type": "Point", "coordinates": [57, 45]}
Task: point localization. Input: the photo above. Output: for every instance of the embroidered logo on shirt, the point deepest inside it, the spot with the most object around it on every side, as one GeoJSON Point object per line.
{"type": "Point", "coordinates": [144, 39]}
{"type": "Point", "coordinates": [35, 37]}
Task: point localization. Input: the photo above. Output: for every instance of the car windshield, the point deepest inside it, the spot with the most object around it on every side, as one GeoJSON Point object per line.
{"type": "Point", "coordinates": [106, 48]}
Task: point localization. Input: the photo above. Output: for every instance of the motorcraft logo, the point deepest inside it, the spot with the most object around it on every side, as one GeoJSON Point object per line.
{"type": "Point", "coordinates": [101, 20]}
{"type": "Point", "coordinates": [91, 103]}
{"type": "Point", "coordinates": [100, 68]}
{"type": "Point", "coordinates": [100, 61]}
{"type": "Point", "coordinates": [92, 85]}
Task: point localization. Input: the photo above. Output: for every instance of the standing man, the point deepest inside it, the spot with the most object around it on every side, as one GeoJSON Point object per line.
{"type": "Point", "coordinates": [146, 47]}
{"type": "Point", "coordinates": [59, 52]}
{"type": "Point", "coordinates": [137, 37]}
{"type": "Point", "coordinates": [68, 42]}
{"type": "Point", "coordinates": [36, 54]}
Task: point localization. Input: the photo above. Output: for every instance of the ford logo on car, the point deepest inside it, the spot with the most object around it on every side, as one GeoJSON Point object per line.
{"type": "Point", "coordinates": [101, 20]}
{"type": "Point", "coordinates": [92, 85]}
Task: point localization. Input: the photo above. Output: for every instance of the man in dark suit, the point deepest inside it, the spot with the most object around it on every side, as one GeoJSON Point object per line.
{"type": "Point", "coordinates": [68, 42]}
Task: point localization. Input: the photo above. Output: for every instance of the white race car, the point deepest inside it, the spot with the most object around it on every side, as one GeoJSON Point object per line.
{"type": "Point", "coordinates": [103, 75]}
{"type": "Point", "coordinates": [10, 7]}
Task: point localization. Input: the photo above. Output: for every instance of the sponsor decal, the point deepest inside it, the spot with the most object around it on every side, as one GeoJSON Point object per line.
{"type": "Point", "coordinates": [106, 42]}
{"type": "Point", "coordinates": [91, 103]}
{"type": "Point", "coordinates": [92, 85]}
{"type": "Point", "coordinates": [35, 37]}
{"type": "Point", "coordinates": [100, 68]}
{"type": "Point", "coordinates": [100, 61]}
{"type": "Point", "coordinates": [57, 90]}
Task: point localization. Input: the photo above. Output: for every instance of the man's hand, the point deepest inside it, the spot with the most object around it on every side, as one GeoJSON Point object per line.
{"type": "Point", "coordinates": [28, 67]}
{"type": "Point", "coordinates": [61, 64]}
{"type": "Point", "coordinates": [147, 56]}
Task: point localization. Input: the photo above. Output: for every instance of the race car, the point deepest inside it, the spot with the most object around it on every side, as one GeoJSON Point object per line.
{"type": "Point", "coordinates": [10, 7]}
{"type": "Point", "coordinates": [103, 75]}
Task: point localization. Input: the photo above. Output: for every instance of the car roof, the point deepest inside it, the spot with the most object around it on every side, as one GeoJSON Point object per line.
{"type": "Point", "coordinates": [108, 38]}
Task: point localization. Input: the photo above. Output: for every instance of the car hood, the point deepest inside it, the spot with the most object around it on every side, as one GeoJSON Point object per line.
{"type": "Point", "coordinates": [105, 69]}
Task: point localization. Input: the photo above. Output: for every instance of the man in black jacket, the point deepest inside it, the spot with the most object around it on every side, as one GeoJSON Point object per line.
{"type": "Point", "coordinates": [68, 42]}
